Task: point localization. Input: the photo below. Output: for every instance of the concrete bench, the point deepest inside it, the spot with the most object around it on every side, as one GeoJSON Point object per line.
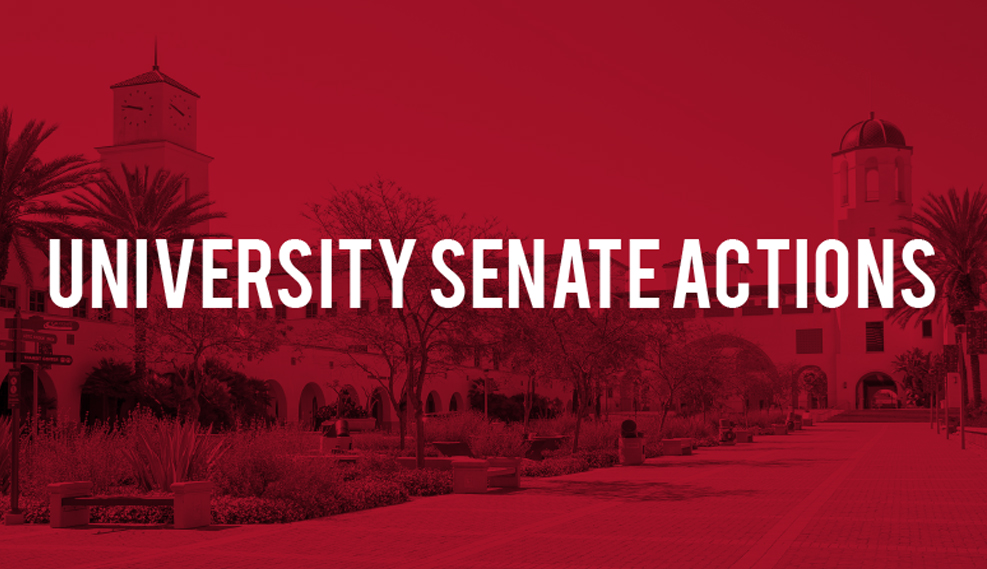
{"type": "Point", "coordinates": [676, 447]}
{"type": "Point", "coordinates": [779, 429]}
{"type": "Point", "coordinates": [474, 476]}
{"type": "Point", "coordinates": [70, 503]}
{"type": "Point", "coordinates": [744, 436]}
{"type": "Point", "coordinates": [453, 448]}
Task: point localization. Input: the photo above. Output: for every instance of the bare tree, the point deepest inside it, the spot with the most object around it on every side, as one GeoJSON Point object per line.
{"type": "Point", "coordinates": [425, 337]}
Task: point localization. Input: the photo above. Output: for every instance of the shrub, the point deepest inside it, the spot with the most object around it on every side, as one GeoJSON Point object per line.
{"type": "Point", "coordinates": [254, 459]}
{"type": "Point", "coordinates": [454, 427]}
{"type": "Point", "coordinates": [598, 435]}
{"type": "Point", "coordinates": [424, 482]}
{"type": "Point", "coordinates": [164, 451]}
{"type": "Point", "coordinates": [498, 440]}
{"type": "Point", "coordinates": [64, 452]}
{"type": "Point", "coordinates": [559, 464]}
{"type": "Point", "coordinates": [252, 510]}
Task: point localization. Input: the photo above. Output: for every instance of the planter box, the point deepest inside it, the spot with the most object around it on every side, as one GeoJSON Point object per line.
{"type": "Point", "coordinates": [744, 436]}
{"type": "Point", "coordinates": [676, 447]}
{"type": "Point", "coordinates": [361, 425]}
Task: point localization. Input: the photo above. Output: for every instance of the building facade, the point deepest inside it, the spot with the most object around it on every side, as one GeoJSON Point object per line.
{"type": "Point", "coordinates": [155, 124]}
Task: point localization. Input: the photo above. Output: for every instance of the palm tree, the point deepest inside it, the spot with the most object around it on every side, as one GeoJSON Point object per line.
{"type": "Point", "coordinates": [915, 364]}
{"type": "Point", "coordinates": [28, 216]}
{"type": "Point", "coordinates": [148, 207]}
{"type": "Point", "coordinates": [956, 227]}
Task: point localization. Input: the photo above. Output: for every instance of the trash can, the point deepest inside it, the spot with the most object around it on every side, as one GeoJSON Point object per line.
{"type": "Point", "coordinates": [727, 436]}
{"type": "Point", "coordinates": [631, 444]}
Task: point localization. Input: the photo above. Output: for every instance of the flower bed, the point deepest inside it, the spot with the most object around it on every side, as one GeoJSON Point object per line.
{"type": "Point", "coordinates": [256, 479]}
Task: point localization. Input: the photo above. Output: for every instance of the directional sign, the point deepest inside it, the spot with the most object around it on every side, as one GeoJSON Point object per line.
{"type": "Point", "coordinates": [8, 346]}
{"type": "Point", "coordinates": [33, 337]}
{"type": "Point", "coordinates": [39, 323]}
{"type": "Point", "coordinates": [39, 359]}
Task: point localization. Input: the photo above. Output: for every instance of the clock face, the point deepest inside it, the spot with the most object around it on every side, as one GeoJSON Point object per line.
{"type": "Point", "coordinates": [137, 108]}
{"type": "Point", "coordinates": [180, 113]}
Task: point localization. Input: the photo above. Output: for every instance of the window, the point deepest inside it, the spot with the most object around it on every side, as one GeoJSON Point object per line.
{"type": "Point", "coordinates": [873, 186]}
{"type": "Point", "coordinates": [81, 310]}
{"type": "Point", "coordinates": [8, 297]}
{"type": "Point", "coordinates": [311, 310]}
{"type": "Point", "coordinates": [364, 307]}
{"type": "Point", "coordinates": [899, 189]}
{"type": "Point", "coordinates": [844, 184]}
{"type": "Point", "coordinates": [104, 314]}
{"type": "Point", "coordinates": [37, 301]}
{"type": "Point", "coordinates": [809, 341]}
{"type": "Point", "coordinates": [331, 311]}
{"type": "Point", "coordinates": [875, 336]}
{"type": "Point", "coordinates": [927, 328]}
{"type": "Point", "coordinates": [280, 312]}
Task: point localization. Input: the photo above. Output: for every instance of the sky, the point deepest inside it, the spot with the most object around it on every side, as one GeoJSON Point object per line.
{"type": "Point", "coordinates": [560, 119]}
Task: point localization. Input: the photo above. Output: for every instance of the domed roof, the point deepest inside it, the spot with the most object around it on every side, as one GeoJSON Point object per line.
{"type": "Point", "coordinates": [872, 133]}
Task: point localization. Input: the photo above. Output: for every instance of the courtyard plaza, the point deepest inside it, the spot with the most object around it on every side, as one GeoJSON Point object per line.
{"type": "Point", "coordinates": [833, 495]}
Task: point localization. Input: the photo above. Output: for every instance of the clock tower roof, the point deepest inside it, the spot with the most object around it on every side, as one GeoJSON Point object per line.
{"type": "Point", "coordinates": [154, 76]}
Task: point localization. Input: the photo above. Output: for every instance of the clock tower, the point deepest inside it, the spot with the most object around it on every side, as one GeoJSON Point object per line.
{"type": "Point", "coordinates": [154, 126]}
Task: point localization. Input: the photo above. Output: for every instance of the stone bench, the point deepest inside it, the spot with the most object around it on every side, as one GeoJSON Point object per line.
{"type": "Point", "coordinates": [474, 476]}
{"type": "Point", "coordinates": [70, 503]}
{"type": "Point", "coordinates": [676, 447]}
{"type": "Point", "coordinates": [744, 436]}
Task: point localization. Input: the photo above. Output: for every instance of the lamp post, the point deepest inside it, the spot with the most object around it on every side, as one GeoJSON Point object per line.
{"type": "Point", "coordinates": [486, 394]}
{"type": "Point", "coordinates": [963, 387]}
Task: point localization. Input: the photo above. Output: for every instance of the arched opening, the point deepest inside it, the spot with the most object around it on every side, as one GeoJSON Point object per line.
{"type": "Point", "coordinates": [433, 404]}
{"type": "Point", "coordinates": [379, 408]}
{"type": "Point", "coordinates": [47, 401]}
{"type": "Point", "coordinates": [813, 382]}
{"type": "Point", "coordinates": [311, 400]}
{"type": "Point", "coordinates": [277, 409]}
{"type": "Point", "coordinates": [456, 403]}
{"type": "Point", "coordinates": [349, 393]}
{"type": "Point", "coordinates": [873, 184]}
{"type": "Point", "coordinates": [732, 360]}
{"type": "Point", "coordinates": [870, 385]}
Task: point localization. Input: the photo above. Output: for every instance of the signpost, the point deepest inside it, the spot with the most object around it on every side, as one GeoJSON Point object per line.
{"type": "Point", "coordinates": [12, 346]}
{"type": "Point", "coordinates": [23, 330]}
{"type": "Point", "coordinates": [22, 358]}
{"type": "Point", "coordinates": [34, 337]}
{"type": "Point", "coordinates": [39, 323]}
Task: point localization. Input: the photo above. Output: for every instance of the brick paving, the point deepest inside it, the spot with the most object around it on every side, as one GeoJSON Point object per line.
{"type": "Point", "coordinates": [835, 495]}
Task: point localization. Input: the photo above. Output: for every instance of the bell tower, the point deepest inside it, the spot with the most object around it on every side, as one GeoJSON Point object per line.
{"type": "Point", "coordinates": [872, 181]}
{"type": "Point", "coordinates": [872, 191]}
{"type": "Point", "coordinates": [154, 126]}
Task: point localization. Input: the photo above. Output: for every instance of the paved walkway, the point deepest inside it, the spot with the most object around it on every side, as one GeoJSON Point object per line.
{"type": "Point", "coordinates": [837, 495]}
